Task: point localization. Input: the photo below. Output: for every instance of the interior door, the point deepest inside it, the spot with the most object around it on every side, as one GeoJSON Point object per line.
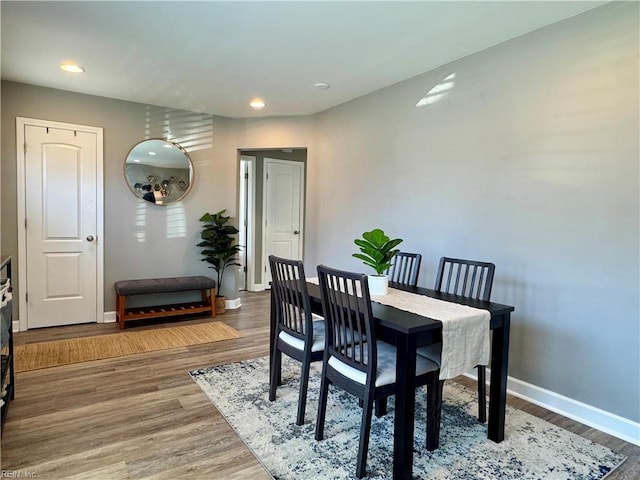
{"type": "Point", "coordinates": [284, 194]}
{"type": "Point", "coordinates": [61, 223]}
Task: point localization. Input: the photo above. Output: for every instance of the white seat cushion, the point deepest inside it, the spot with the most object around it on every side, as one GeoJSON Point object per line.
{"type": "Point", "coordinates": [432, 352]}
{"type": "Point", "coordinates": [386, 372]}
{"type": "Point", "coordinates": [318, 337]}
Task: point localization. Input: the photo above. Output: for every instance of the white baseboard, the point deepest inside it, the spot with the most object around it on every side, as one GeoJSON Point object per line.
{"type": "Point", "coordinates": [255, 287]}
{"type": "Point", "coordinates": [15, 327]}
{"type": "Point", "coordinates": [232, 304]}
{"type": "Point", "coordinates": [602, 420]}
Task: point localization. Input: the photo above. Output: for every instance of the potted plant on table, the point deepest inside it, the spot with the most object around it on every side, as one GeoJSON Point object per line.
{"type": "Point", "coordinates": [220, 249]}
{"type": "Point", "coordinates": [377, 251]}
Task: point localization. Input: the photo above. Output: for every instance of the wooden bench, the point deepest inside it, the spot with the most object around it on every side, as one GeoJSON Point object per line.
{"type": "Point", "coordinates": [150, 286]}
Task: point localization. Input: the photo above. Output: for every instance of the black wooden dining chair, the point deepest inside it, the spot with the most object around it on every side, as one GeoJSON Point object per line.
{"type": "Point", "coordinates": [297, 334]}
{"type": "Point", "coordinates": [405, 268]}
{"type": "Point", "coordinates": [354, 360]}
{"type": "Point", "coordinates": [470, 279]}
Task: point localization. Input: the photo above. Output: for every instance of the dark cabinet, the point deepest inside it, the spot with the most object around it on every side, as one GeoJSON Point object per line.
{"type": "Point", "coordinates": [8, 391]}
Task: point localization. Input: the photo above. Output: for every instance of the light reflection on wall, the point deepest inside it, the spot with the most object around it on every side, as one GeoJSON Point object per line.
{"type": "Point", "coordinates": [192, 130]}
{"type": "Point", "coordinates": [176, 221]}
{"type": "Point", "coordinates": [439, 92]}
{"type": "Point", "coordinates": [141, 222]}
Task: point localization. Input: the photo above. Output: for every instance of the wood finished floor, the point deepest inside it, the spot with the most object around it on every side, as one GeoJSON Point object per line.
{"type": "Point", "coordinates": [142, 417]}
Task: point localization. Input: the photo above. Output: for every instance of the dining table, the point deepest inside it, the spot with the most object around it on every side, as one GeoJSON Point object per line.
{"type": "Point", "coordinates": [408, 331]}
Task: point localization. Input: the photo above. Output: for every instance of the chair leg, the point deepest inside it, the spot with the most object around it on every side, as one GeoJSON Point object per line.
{"type": "Point", "coordinates": [482, 394]}
{"type": "Point", "coordinates": [322, 405]}
{"type": "Point", "coordinates": [434, 411]}
{"type": "Point", "coordinates": [302, 399]}
{"type": "Point", "coordinates": [275, 373]}
{"type": "Point", "coordinates": [381, 407]}
{"type": "Point", "coordinates": [365, 431]}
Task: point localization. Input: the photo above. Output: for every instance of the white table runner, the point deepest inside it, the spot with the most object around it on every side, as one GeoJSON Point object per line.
{"type": "Point", "coordinates": [465, 330]}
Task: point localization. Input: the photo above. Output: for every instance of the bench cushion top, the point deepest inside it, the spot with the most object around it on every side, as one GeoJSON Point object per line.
{"type": "Point", "coordinates": [163, 285]}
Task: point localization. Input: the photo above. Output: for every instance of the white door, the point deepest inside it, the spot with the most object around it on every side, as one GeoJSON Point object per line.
{"type": "Point", "coordinates": [284, 195]}
{"type": "Point", "coordinates": [62, 201]}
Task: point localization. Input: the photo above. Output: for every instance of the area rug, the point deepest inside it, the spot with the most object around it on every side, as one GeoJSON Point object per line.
{"type": "Point", "coordinates": [532, 449]}
{"type": "Point", "coordinates": [35, 356]}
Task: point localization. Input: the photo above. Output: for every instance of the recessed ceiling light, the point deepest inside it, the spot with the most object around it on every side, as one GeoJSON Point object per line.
{"type": "Point", "coordinates": [257, 103]}
{"type": "Point", "coordinates": [321, 85]}
{"type": "Point", "coordinates": [71, 68]}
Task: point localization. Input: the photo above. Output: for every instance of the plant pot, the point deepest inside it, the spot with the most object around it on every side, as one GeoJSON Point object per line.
{"type": "Point", "coordinates": [378, 284]}
{"type": "Point", "coordinates": [220, 305]}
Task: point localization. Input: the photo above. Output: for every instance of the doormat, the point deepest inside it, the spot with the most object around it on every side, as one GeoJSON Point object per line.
{"type": "Point", "coordinates": [35, 356]}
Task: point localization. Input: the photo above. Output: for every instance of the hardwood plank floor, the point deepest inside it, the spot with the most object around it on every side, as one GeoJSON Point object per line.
{"type": "Point", "coordinates": [142, 417]}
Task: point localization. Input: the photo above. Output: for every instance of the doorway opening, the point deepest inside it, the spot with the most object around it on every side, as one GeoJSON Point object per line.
{"type": "Point", "coordinates": [271, 204]}
{"type": "Point", "coordinates": [246, 212]}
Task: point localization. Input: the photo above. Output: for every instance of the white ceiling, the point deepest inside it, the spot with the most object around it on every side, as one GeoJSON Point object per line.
{"type": "Point", "coordinates": [213, 57]}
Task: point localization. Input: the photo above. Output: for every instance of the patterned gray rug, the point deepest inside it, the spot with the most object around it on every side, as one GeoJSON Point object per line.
{"type": "Point", "coordinates": [532, 449]}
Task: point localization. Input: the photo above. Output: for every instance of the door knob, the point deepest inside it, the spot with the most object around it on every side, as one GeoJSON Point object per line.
{"type": "Point", "coordinates": [296, 232]}
{"type": "Point", "coordinates": [90, 238]}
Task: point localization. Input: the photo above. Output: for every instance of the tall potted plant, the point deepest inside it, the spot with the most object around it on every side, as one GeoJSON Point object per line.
{"type": "Point", "coordinates": [377, 250]}
{"type": "Point", "coordinates": [220, 249]}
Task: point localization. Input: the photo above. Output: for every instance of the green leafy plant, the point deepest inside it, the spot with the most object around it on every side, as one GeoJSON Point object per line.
{"type": "Point", "coordinates": [218, 240]}
{"type": "Point", "coordinates": [377, 250]}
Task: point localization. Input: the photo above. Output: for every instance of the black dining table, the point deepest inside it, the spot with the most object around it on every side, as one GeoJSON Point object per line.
{"type": "Point", "coordinates": [407, 331]}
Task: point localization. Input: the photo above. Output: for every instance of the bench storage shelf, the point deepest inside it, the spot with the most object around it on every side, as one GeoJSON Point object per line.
{"type": "Point", "coordinates": [127, 288]}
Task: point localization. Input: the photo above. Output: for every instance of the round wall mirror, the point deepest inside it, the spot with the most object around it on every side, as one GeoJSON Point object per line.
{"type": "Point", "coordinates": [158, 171]}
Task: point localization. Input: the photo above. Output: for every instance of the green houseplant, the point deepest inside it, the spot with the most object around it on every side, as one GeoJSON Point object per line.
{"type": "Point", "coordinates": [377, 250]}
{"type": "Point", "coordinates": [220, 249]}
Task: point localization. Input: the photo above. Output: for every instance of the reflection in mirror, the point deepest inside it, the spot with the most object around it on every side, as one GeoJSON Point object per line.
{"type": "Point", "coordinates": [158, 171]}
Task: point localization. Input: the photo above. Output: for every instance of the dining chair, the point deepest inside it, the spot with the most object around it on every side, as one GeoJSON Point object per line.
{"type": "Point", "coordinates": [354, 359]}
{"type": "Point", "coordinates": [405, 269]}
{"type": "Point", "coordinates": [297, 334]}
{"type": "Point", "coordinates": [470, 279]}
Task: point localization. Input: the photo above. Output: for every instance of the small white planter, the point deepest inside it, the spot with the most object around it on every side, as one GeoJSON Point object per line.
{"type": "Point", "coordinates": [378, 284]}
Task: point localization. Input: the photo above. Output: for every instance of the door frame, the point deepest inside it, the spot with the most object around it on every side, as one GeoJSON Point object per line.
{"type": "Point", "coordinates": [249, 220]}
{"type": "Point", "coordinates": [21, 123]}
{"type": "Point", "coordinates": [265, 260]}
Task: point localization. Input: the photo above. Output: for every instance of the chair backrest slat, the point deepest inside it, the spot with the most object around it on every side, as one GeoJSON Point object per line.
{"type": "Point", "coordinates": [346, 304]}
{"type": "Point", "coordinates": [405, 268]}
{"type": "Point", "coordinates": [293, 307]}
{"type": "Point", "coordinates": [468, 278]}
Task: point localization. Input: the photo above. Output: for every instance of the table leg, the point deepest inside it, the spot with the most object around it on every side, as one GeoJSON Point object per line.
{"type": "Point", "coordinates": [498, 386]}
{"type": "Point", "coordinates": [405, 408]}
{"type": "Point", "coordinates": [434, 411]}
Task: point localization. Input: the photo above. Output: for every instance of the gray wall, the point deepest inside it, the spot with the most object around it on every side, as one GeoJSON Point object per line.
{"type": "Point", "coordinates": [144, 240]}
{"type": "Point", "coordinates": [530, 162]}
{"type": "Point", "coordinates": [141, 239]}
